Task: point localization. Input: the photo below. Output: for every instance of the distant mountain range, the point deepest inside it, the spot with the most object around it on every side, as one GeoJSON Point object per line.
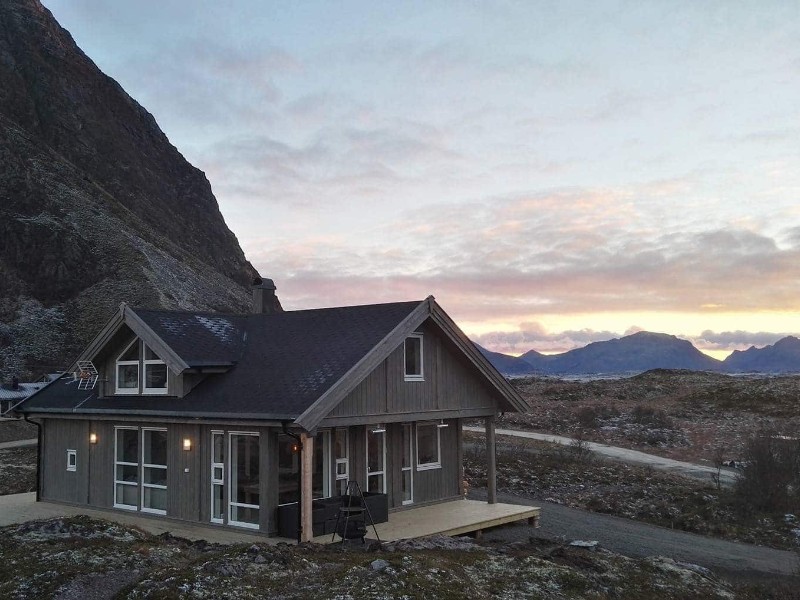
{"type": "Point", "coordinates": [643, 351]}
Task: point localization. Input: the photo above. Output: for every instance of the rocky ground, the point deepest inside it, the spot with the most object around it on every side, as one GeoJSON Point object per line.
{"type": "Point", "coordinates": [82, 558]}
{"type": "Point", "coordinates": [17, 470]}
{"type": "Point", "coordinates": [574, 477]}
{"type": "Point", "coordinates": [16, 429]}
{"type": "Point", "coordinates": [685, 415]}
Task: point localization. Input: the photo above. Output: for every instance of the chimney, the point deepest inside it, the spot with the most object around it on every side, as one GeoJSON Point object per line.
{"type": "Point", "coordinates": [264, 299]}
{"type": "Point", "coordinates": [14, 383]}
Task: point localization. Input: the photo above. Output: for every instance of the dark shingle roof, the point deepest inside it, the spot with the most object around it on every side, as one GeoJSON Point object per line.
{"type": "Point", "coordinates": [200, 339]}
{"type": "Point", "coordinates": [283, 362]}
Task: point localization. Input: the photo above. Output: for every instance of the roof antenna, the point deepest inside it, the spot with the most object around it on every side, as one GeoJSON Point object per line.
{"type": "Point", "coordinates": [87, 375]}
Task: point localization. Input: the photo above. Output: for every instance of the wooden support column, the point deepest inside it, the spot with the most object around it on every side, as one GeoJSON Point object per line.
{"type": "Point", "coordinates": [306, 496]}
{"type": "Point", "coordinates": [491, 459]}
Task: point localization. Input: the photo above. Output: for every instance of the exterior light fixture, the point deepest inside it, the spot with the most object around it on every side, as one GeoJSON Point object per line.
{"type": "Point", "coordinates": [442, 424]}
{"type": "Point", "coordinates": [92, 438]}
{"type": "Point", "coordinates": [187, 444]}
{"type": "Point", "coordinates": [379, 429]}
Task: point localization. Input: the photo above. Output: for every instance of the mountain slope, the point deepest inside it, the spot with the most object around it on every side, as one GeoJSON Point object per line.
{"type": "Point", "coordinates": [96, 205]}
{"type": "Point", "coordinates": [505, 363]}
{"type": "Point", "coordinates": [781, 357]}
{"type": "Point", "coordinates": [641, 351]}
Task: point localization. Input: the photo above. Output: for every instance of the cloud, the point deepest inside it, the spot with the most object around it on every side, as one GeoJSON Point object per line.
{"type": "Point", "coordinates": [737, 340]}
{"type": "Point", "coordinates": [564, 252]}
{"type": "Point", "coordinates": [533, 336]}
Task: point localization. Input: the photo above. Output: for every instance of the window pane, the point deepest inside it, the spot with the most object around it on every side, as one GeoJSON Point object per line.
{"type": "Point", "coordinates": [155, 476]}
{"type": "Point", "coordinates": [216, 504]}
{"type": "Point", "coordinates": [131, 353]}
{"type": "Point", "coordinates": [128, 473]}
{"type": "Point", "coordinates": [374, 452]}
{"type": "Point", "coordinates": [155, 376]}
{"type": "Point", "coordinates": [155, 447]}
{"type": "Point", "coordinates": [155, 498]}
{"type": "Point", "coordinates": [288, 469]}
{"type": "Point", "coordinates": [375, 483]}
{"type": "Point", "coordinates": [318, 477]}
{"type": "Point", "coordinates": [407, 485]}
{"type": "Point", "coordinates": [427, 443]}
{"type": "Point", "coordinates": [406, 445]}
{"type": "Point", "coordinates": [128, 376]}
{"type": "Point", "coordinates": [413, 356]}
{"type": "Point", "coordinates": [219, 448]}
{"type": "Point", "coordinates": [244, 515]}
{"type": "Point", "coordinates": [126, 494]}
{"type": "Point", "coordinates": [127, 445]}
{"type": "Point", "coordinates": [340, 442]}
{"type": "Point", "coordinates": [244, 469]}
{"type": "Point", "coordinates": [149, 354]}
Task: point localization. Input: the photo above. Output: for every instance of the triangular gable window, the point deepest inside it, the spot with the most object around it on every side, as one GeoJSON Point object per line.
{"type": "Point", "coordinates": [140, 370]}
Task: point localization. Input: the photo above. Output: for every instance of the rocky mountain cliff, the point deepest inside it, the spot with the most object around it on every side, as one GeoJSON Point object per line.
{"type": "Point", "coordinates": [96, 205]}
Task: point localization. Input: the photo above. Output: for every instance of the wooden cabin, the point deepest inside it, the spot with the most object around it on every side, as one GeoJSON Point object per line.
{"type": "Point", "coordinates": [212, 418]}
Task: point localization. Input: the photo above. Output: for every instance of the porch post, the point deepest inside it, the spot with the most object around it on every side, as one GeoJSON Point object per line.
{"type": "Point", "coordinates": [491, 467]}
{"type": "Point", "coordinates": [306, 495]}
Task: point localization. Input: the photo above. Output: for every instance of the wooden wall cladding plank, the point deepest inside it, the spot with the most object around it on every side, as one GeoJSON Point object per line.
{"type": "Point", "coordinates": [58, 483]}
{"type": "Point", "coordinates": [183, 472]}
{"type": "Point", "coordinates": [101, 457]}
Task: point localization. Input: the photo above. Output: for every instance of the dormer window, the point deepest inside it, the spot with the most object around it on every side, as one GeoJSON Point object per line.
{"type": "Point", "coordinates": [128, 369]}
{"type": "Point", "coordinates": [139, 369]}
{"type": "Point", "coordinates": [413, 358]}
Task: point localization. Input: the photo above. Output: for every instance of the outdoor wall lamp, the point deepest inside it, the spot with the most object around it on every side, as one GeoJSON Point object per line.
{"type": "Point", "coordinates": [92, 438]}
{"type": "Point", "coordinates": [442, 424]}
{"type": "Point", "coordinates": [379, 429]}
{"type": "Point", "coordinates": [187, 444]}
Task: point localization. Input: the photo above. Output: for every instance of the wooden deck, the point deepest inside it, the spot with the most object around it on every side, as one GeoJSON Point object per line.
{"type": "Point", "coordinates": [447, 518]}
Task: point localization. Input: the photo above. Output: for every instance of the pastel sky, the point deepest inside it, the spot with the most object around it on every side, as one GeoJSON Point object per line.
{"type": "Point", "coordinates": [555, 173]}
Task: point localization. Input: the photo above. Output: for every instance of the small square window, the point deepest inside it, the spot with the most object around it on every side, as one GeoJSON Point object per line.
{"type": "Point", "coordinates": [413, 357]}
{"type": "Point", "coordinates": [72, 460]}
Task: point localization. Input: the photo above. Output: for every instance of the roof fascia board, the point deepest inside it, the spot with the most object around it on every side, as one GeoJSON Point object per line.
{"type": "Point", "coordinates": [156, 344]}
{"type": "Point", "coordinates": [175, 416]}
{"type": "Point", "coordinates": [312, 416]}
{"type": "Point", "coordinates": [453, 331]}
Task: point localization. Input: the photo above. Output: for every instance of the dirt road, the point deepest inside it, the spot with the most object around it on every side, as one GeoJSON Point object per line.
{"type": "Point", "coordinates": [702, 472]}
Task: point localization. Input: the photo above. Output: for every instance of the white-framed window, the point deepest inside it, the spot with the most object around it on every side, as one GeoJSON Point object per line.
{"type": "Point", "coordinates": [154, 470]}
{"type": "Point", "coordinates": [429, 446]}
{"type": "Point", "coordinates": [217, 476]}
{"type": "Point", "coordinates": [128, 369]}
{"type": "Point", "coordinates": [376, 459]}
{"type": "Point", "coordinates": [341, 448]}
{"type": "Point", "coordinates": [321, 477]}
{"type": "Point", "coordinates": [126, 468]}
{"type": "Point", "coordinates": [72, 460]}
{"type": "Point", "coordinates": [243, 479]}
{"type": "Point", "coordinates": [412, 351]}
{"type": "Point", "coordinates": [155, 373]}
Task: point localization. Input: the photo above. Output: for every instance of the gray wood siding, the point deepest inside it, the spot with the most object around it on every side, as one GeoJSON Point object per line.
{"type": "Point", "coordinates": [58, 483]}
{"type": "Point", "coordinates": [101, 476]}
{"type": "Point", "coordinates": [436, 484]}
{"type": "Point", "coordinates": [183, 472]}
{"type": "Point", "coordinates": [450, 383]}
